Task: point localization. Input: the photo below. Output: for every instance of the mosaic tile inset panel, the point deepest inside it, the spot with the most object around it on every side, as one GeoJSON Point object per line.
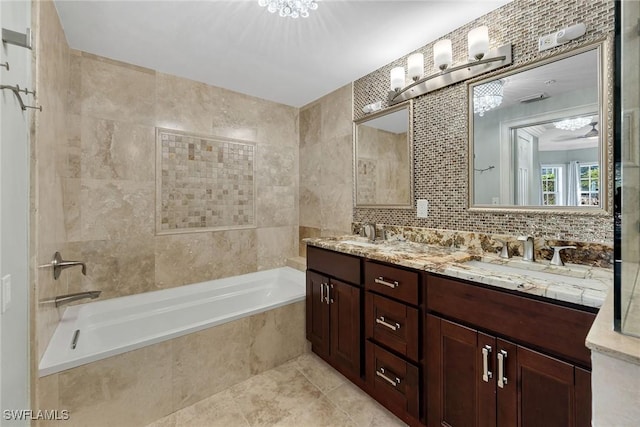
{"type": "Point", "coordinates": [203, 182]}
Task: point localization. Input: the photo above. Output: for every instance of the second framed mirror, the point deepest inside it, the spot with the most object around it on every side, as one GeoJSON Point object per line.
{"type": "Point", "coordinates": [537, 135]}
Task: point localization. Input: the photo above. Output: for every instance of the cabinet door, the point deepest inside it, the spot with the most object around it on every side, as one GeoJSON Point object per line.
{"type": "Point", "coordinates": [546, 395]}
{"type": "Point", "coordinates": [459, 392]}
{"type": "Point", "coordinates": [345, 327]}
{"type": "Point", "coordinates": [317, 313]}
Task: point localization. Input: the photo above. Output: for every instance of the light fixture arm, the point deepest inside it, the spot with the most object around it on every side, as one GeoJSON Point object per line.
{"type": "Point", "coordinates": [496, 58]}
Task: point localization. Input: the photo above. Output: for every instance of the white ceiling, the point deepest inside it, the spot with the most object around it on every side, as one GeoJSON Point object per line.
{"type": "Point", "coordinates": [240, 46]}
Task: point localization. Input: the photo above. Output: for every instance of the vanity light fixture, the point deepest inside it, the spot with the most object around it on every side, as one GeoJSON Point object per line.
{"type": "Point", "coordinates": [290, 8]}
{"type": "Point", "coordinates": [482, 61]}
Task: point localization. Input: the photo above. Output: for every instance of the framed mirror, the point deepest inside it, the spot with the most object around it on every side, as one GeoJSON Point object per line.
{"type": "Point", "coordinates": [384, 158]}
{"type": "Point", "coordinates": [537, 135]}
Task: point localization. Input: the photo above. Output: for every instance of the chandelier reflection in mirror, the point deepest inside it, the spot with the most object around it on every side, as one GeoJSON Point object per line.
{"type": "Point", "coordinates": [487, 96]}
{"type": "Point", "coordinates": [290, 8]}
{"type": "Point", "coordinates": [572, 124]}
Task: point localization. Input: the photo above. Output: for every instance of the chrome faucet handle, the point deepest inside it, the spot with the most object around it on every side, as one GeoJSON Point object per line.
{"type": "Point", "coordinates": [59, 264]}
{"type": "Point", "coordinates": [504, 252]}
{"type": "Point", "coordinates": [557, 259]}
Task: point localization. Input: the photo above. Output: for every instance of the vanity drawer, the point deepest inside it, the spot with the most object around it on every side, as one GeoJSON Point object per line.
{"type": "Point", "coordinates": [392, 324]}
{"type": "Point", "coordinates": [391, 281]}
{"type": "Point", "coordinates": [392, 381]}
{"type": "Point", "coordinates": [335, 264]}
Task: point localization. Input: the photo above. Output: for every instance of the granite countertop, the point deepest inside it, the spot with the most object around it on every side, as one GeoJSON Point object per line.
{"type": "Point", "coordinates": [578, 284]}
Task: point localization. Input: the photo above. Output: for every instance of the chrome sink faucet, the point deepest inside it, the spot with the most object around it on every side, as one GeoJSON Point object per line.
{"type": "Point", "coordinates": [369, 230]}
{"type": "Point", "coordinates": [527, 243]}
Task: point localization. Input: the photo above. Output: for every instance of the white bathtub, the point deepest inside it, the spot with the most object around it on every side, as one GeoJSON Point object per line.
{"type": "Point", "coordinates": [118, 325]}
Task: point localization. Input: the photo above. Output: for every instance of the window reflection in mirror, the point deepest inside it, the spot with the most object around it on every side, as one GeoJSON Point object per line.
{"type": "Point", "coordinates": [535, 137]}
{"type": "Point", "coordinates": [383, 159]}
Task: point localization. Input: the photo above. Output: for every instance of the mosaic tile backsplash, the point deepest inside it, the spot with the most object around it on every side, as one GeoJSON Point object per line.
{"type": "Point", "coordinates": [441, 131]}
{"type": "Point", "coordinates": [206, 182]}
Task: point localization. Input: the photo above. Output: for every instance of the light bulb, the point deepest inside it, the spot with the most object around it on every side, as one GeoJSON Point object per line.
{"type": "Point", "coordinates": [478, 42]}
{"type": "Point", "coordinates": [442, 55]}
{"type": "Point", "coordinates": [415, 66]}
{"type": "Point", "coordinates": [397, 78]}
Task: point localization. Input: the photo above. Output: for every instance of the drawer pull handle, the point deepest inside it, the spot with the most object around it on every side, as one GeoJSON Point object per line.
{"type": "Point", "coordinates": [502, 379]}
{"type": "Point", "coordinates": [381, 321]}
{"type": "Point", "coordinates": [382, 374]}
{"type": "Point", "coordinates": [380, 280]}
{"type": "Point", "coordinates": [486, 373]}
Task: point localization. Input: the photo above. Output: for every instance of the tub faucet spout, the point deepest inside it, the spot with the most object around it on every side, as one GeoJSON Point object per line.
{"type": "Point", "coordinates": [66, 299]}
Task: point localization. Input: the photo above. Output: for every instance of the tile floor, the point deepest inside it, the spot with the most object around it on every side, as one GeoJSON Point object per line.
{"type": "Point", "coordinates": [304, 392]}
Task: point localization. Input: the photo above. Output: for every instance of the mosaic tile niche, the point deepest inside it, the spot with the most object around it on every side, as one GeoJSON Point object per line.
{"type": "Point", "coordinates": [441, 132]}
{"type": "Point", "coordinates": [206, 183]}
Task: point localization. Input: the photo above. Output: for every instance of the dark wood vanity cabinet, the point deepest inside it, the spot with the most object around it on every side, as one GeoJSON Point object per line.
{"type": "Point", "coordinates": [480, 378]}
{"type": "Point", "coordinates": [446, 352]}
{"type": "Point", "coordinates": [333, 301]}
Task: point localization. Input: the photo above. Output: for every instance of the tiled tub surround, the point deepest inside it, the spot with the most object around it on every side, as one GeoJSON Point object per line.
{"type": "Point", "coordinates": [582, 285]}
{"type": "Point", "coordinates": [141, 386]}
{"type": "Point", "coordinates": [441, 125]}
{"type": "Point", "coordinates": [205, 182]}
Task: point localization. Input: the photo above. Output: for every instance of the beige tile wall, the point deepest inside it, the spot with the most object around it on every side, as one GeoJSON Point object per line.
{"type": "Point", "coordinates": [117, 107]}
{"type": "Point", "coordinates": [326, 165]}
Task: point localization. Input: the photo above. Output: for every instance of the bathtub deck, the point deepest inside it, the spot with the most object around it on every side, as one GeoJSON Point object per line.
{"type": "Point", "coordinates": [303, 392]}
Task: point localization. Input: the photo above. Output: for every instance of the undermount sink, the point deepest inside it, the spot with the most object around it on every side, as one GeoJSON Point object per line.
{"type": "Point", "coordinates": [564, 275]}
{"type": "Point", "coordinates": [360, 243]}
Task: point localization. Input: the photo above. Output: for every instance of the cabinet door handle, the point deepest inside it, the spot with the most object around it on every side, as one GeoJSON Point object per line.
{"type": "Point", "coordinates": [381, 321]}
{"type": "Point", "coordinates": [326, 293]}
{"type": "Point", "coordinates": [502, 379]}
{"type": "Point", "coordinates": [382, 374]}
{"type": "Point", "coordinates": [486, 373]}
{"type": "Point", "coordinates": [322, 293]}
{"type": "Point", "coordinates": [329, 298]}
{"type": "Point", "coordinates": [381, 281]}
